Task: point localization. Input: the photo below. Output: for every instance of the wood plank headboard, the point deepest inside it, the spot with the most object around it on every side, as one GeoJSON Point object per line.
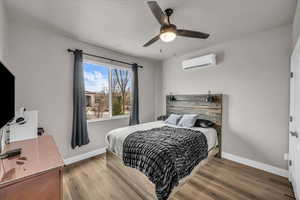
{"type": "Point", "coordinates": [207, 106]}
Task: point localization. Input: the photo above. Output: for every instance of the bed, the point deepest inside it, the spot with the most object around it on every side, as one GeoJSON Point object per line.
{"type": "Point", "coordinates": [127, 146]}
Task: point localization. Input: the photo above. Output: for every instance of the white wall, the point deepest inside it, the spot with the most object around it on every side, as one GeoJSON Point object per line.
{"type": "Point", "coordinates": [37, 56]}
{"type": "Point", "coordinates": [253, 74]}
{"type": "Point", "coordinates": [3, 30]}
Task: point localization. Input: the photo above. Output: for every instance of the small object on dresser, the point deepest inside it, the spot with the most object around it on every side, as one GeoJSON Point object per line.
{"type": "Point", "coordinates": [20, 162]}
{"type": "Point", "coordinates": [162, 118]}
{"type": "Point", "coordinates": [41, 131]}
{"type": "Point", "coordinates": [11, 153]}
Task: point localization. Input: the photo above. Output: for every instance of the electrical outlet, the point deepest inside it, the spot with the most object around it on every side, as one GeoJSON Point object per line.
{"type": "Point", "coordinates": [286, 156]}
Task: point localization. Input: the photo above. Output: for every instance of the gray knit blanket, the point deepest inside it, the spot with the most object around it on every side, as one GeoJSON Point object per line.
{"type": "Point", "coordinates": [165, 155]}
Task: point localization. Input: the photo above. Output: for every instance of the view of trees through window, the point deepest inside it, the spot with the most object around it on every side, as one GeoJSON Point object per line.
{"type": "Point", "coordinates": [120, 90]}
{"type": "Point", "coordinates": [107, 91]}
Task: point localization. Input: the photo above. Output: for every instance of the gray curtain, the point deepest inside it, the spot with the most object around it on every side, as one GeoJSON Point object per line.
{"type": "Point", "coordinates": [134, 114]}
{"type": "Point", "coordinates": [79, 132]}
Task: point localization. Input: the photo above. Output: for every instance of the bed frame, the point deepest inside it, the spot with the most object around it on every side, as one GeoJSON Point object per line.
{"type": "Point", "coordinates": [207, 106]}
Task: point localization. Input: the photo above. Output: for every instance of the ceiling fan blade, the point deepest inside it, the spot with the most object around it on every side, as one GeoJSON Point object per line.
{"type": "Point", "coordinates": [151, 41]}
{"type": "Point", "coordinates": [192, 34]}
{"type": "Point", "coordinates": [157, 12]}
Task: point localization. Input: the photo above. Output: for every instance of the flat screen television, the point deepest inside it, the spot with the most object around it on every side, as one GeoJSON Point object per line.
{"type": "Point", "coordinates": [7, 99]}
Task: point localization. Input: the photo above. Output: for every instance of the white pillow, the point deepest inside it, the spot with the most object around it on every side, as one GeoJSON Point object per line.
{"type": "Point", "coordinates": [173, 119]}
{"type": "Point", "coordinates": [188, 120]}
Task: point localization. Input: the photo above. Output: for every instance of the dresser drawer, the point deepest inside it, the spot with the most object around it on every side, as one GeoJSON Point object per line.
{"type": "Point", "coordinates": [46, 186]}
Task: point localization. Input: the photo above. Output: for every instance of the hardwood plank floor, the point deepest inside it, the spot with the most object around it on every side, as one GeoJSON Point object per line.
{"type": "Point", "coordinates": [218, 180]}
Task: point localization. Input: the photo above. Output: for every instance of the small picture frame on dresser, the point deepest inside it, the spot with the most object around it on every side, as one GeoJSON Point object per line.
{"type": "Point", "coordinates": [162, 118]}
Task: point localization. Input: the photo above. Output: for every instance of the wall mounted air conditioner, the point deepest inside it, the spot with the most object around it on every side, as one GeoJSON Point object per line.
{"type": "Point", "coordinates": [199, 62]}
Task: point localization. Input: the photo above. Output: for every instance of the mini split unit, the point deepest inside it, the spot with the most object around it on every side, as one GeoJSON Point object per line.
{"type": "Point", "coordinates": [200, 62]}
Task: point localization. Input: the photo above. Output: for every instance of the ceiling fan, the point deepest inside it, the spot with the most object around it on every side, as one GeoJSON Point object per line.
{"type": "Point", "coordinates": [168, 31]}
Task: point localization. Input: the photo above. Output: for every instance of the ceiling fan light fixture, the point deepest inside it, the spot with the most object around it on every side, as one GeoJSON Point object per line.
{"type": "Point", "coordinates": [168, 33]}
{"type": "Point", "coordinates": [167, 36]}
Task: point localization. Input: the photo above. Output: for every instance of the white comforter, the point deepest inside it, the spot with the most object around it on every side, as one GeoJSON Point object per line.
{"type": "Point", "coordinates": [116, 137]}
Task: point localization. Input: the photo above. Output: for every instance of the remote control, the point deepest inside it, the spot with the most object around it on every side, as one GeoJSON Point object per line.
{"type": "Point", "coordinates": [11, 153]}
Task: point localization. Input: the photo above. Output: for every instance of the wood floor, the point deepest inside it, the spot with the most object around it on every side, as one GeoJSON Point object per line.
{"type": "Point", "coordinates": [218, 180]}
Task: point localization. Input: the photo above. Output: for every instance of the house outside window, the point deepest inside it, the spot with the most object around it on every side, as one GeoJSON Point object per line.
{"type": "Point", "coordinates": [88, 100]}
{"type": "Point", "coordinates": [107, 90]}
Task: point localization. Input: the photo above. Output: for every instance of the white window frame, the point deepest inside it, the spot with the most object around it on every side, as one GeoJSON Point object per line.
{"type": "Point", "coordinates": [110, 67]}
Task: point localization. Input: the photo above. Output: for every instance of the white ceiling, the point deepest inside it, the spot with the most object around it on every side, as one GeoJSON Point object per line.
{"type": "Point", "coordinates": [125, 25]}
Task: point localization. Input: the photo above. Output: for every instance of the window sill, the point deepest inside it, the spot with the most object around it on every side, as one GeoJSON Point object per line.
{"type": "Point", "coordinates": [113, 118]}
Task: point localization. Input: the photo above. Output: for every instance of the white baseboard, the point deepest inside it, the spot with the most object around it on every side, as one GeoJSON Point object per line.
{"type": "Point", "coordinates": [296, 194]}
{"type": "Point", "coordinates": [245, 161]}
{"type": "Point", "coordinates": [84, 156]}
{"type": "Point", "coordinates": [255, 164]}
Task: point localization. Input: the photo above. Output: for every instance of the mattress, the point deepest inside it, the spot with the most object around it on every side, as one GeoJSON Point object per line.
{"type": "Point", "coordinates": [116, 137]}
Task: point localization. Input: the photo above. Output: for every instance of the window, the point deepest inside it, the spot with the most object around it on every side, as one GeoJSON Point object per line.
{"type": "Point", "coordinates": [107, 91]}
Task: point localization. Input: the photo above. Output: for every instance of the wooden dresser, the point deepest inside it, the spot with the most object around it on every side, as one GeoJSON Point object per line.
{"type": "Point", "coordinates": [35, 174]}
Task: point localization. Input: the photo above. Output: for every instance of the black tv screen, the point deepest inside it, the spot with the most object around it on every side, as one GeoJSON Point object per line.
{"type": "Point", "coordinates": [7, 103]}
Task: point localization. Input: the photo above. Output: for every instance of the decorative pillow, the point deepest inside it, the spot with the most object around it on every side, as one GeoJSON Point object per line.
{"type": "Point", "coordinates": [188, 120]}
{"type": "Point", "coordinates": [204, 123]}
{"type": "Point", "coordinates": [173, 119]}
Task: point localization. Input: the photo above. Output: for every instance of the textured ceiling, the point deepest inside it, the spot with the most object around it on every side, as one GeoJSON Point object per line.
{"type": "Point", "coordinates": [125, 25]}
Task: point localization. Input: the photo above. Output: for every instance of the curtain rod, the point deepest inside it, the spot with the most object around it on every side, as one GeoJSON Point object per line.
{"type": "Point", "coordinates": [110, 59]}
